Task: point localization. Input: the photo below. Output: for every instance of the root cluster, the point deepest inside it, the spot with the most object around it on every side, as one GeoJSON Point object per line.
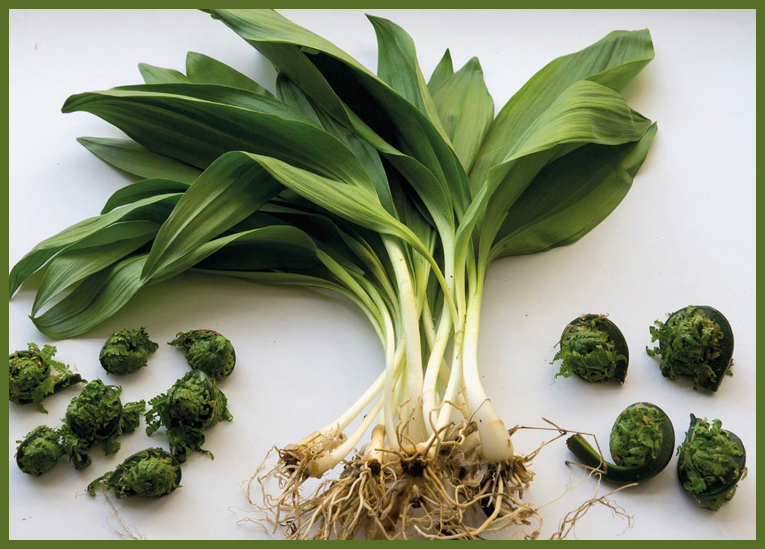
{"type": "Point", "coordinates": [443, 490]}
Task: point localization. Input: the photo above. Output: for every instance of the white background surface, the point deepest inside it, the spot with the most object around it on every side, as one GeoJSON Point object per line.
{"type": "Point", "coordinates": [684, 234]}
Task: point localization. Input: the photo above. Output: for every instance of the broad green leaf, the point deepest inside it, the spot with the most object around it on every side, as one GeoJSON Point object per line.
{"type": "Point", "coordinates": [160, 75]}
{"type": "Point", "coordinates": [285, 248]}
{"type": "Point", "coordinates": [358, 288]}
{"type": "Point", "coordinates": [613, 61]}
{"type": "Point", "coordinates": [202, 69]}
{"type": "Point", "coordinates": [132, 158]}
{"type": "Point", "coordinates": [415, 217]}
{"type": "Point", "coordinates": [374, 262]}
{"type": "Point", "coordinates": [413, 213]}
{"type": "Point", "coordinates": [586, 113]}
{"type": "Point", "coordinates": [364, 142]}
{"type": "Point", "coordinates": [156, 209]}
{"type": "Point", "coordinates": [140, 190]}
{"type": "Point", "coordinates": [282, 248]}
{"type": "Point", "coordinates": [97, 298]}
{"type": "Point", "coordinates": [290, 94]}
{"type": "Point", "coordinates": [324, 231]}
{"type": "Point", "coordinates": [361, 148]}
{"type": "Point", "coordinates": [105, 291]}
{"type": "Point", "coordinates": [90, 255]}
{"type": "Point", "coordinates": [280, 279]}
{"type": "Point", "coordinates": [340, 85]}
{"type": "Point", "coordinates": [351, 202]}
{"type": "Point", "coordinates": [356, 203]}
{"type": "Point", "coordinates": [441, 73]}
{"type": "Point", "coordinates": [197, 132]}
{"type": "Point", "coordinates": [216, 93]}
{"type": "Point", "coordinates": [436, 197]}
{"type": "Point", "coordinates": [397, 65]}
{"type": "Point", "coordinates": [284, 43]}
{"type": "Point", "coordinates": [343, 241]}
{"type": "Point", "coordinates": [466, 110]}
{"type": "Point", "coordinates": [278, 247]}
{"type": "Point", "coordinates": [225, 194]}
{"type": "Point", "coordinates": [570, 197]}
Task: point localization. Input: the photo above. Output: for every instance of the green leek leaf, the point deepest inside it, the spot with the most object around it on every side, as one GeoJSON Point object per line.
{"type": "Point", "coordinates": [160, 75]}
{"type": "Point", "coordinates": [613, 61]}
{"type": "Point", "coordinates": [195, 221]}
{"type": "Point", "coordinates": [134, 159]}
{"type": "Point", "coordinates": [586, 112]}
{"type": "Point", "coordinates": [156, 208]}
{"type": "Point", "coordinates": [290, 94]}
{"type": "Point", "coordinates": [225, 95]}
{"type": "Point", "coordinates": [361, 148]}
{"type": "Point", "coordinates": [281, 279]}
{"type": "Point", "coordinates": [466, 110]}
{"type": "Point", "coordinates": [319, 279]}
{"type": "Point", "coordinates": [140, 190]}
{"type": "Point", "coordinates": [570, 197]}
{"type": "Point", "coordinates": [97, 298]}
{"type": "Point", "coordinates": [441, 73]}
{"type": "Point", "coordinates": [344, 242]}
{"type": "Point", "coordinates": [354, 203]}
{"type": "Point", "coordinates": [359, 99]}
{"type": "Point", "coordinates": [397, 65]}
{"type": "Point", "coordinates": [289, 248]}
{"type": "Point", "coordinates": [90, 255]}
{"type": "Point", "coordinates": [202, 69]}
{"type": "Point", "coordinates": [327, 235]}
{"type": "Point", "coordinates": [225, 194]}
{"type": "Point", "coordinates": [281, 248]}
{"type": "Point", "coordinates": [197, 132]}
{"type": "Point", "coordinates": [285, 44]}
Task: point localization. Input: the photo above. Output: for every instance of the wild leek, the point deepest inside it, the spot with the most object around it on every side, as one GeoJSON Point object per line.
{"type": "Point", "coordinates": [394, 190]}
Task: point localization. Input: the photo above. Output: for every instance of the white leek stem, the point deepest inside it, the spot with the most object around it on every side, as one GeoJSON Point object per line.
{"type": "Point", "coordinates": [376, 447]}
{"type": "Point", "coordinates": [495, 440]}
{"type": "Point", "coordinates": [392, 372]}
{"type": "Point", "coordinates": [337, 426]}
{"type": "Point", "coordinates": [410, 321]}
{"type": "Point", "coordinates": [455, 384]}
{"type": "Point", "coordinates": [393, 359]}
{"type": "Point", "coordinates": [442, 377]}
{"type": "Point", "coordinates": [326, 462]}
{"type": "Point", "coordinates": [435, 361]}
{"type": "Point", "coordinates": [438, 345]}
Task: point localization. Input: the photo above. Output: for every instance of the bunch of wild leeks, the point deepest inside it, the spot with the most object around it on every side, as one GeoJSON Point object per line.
{"type": "Point", "coordinates": [394, 191]}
